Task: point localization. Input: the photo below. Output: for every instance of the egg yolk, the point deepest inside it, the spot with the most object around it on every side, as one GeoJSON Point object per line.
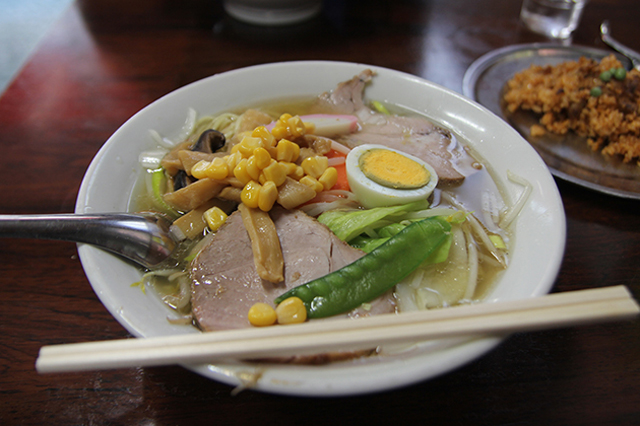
{"type": "Point", "coordinates": [393, 170]}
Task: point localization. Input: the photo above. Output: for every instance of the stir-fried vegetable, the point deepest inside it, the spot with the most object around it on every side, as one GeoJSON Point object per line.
{"type": "Point", "coordinates": [376, 272]}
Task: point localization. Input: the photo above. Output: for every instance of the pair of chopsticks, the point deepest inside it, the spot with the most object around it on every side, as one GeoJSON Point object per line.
{"type": "Point", "coordinates": [551, 311]}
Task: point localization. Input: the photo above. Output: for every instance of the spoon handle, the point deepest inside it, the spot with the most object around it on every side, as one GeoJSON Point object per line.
{"type": "Point", "coordinates": [633, 56]}
{"type": "Point", "coordinates": [136, 237]}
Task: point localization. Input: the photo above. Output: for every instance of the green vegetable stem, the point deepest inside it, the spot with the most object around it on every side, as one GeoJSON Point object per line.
{"type": "Point", "coordinates": [157, 182]}
{"type": "Point", "coordinates": [376, 272]}
{"type": "Point", "coordinates": [378, 106]}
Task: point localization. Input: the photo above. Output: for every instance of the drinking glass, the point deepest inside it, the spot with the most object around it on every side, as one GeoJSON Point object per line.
{"type": "Point", "coordinates": [552, 18]}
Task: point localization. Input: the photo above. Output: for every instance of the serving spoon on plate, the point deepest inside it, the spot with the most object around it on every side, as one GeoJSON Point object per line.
{"type": "Point", "coordinates": [144, 238]}
{"type": "Point", "coordinates": [605, 34]}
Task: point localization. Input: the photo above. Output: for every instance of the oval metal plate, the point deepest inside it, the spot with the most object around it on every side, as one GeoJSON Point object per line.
{"type": "Point", "coordinates": [568, 156]}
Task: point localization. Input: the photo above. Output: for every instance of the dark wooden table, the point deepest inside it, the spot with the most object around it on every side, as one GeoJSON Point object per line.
{"type": "Point", "coordinates": [106, 59]}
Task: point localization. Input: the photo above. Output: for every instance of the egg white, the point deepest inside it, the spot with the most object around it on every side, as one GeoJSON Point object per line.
{"type": "Point", "coordinates": [371, 194]}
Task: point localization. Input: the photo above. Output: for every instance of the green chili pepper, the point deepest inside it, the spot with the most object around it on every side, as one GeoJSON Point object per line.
{"type": "Point", "coordinates": [374, 273]}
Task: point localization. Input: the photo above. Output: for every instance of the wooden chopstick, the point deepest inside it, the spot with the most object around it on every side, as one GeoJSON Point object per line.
{"type": "Point", "coordinates": [551, 311]}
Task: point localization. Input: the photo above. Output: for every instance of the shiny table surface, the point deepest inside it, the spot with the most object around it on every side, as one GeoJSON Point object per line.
{"type": "Point", "coordinates": [104, 60]}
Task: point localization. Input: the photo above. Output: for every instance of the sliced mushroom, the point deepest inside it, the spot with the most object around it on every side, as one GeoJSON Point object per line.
{"type": "Point", "coordinates": [180, 180]}
{"type": "Point", "coordinates": [210, 141]}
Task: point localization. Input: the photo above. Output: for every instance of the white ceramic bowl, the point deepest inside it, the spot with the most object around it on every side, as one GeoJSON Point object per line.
{"type": "Point", "coordinates": [534, 263]}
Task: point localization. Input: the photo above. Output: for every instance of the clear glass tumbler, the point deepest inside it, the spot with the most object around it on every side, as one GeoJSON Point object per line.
{"type": "Point", "coordinates": [552, 18]}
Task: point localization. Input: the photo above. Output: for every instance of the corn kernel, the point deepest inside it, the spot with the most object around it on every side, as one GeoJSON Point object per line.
{"type": "Point", "coordinates": [328, 178]}
{"type": "Point", "coordinates": [251, 194]}
{"type": "Point", "coordinates": [261, 315]}
{"type": "Point", "coordinates": [287, 151]}
{"type": "Point", "coordinates": [267, 196]}
{"type": "Point", "coordinates": [291, 311]}
{"type": "Point", "coordinates": [259, 132]}
{"type": "Point", "coordinates": [312, 183]}
{"type": "Point", "coordinates": [315, 166]}
{"type": "Point", "coordinates": [199, 170]}
{"type": "Point", "coordinates": [252, 168]}
{"type": "Point", "coordinates": [275, 173]}
{"type": "Point", "coordinates": [288, 167]}
{"type": "Point", "coordinates": [217, 169]}
{"type": "Point", "coordinates": [263, 158]}
{"type": "Point", "coordinates": [273, 152]}
{"type": "Point", "coordinates": [241, 135]}
{"type": "Point", "coordinates": [296, 126]}
{"type": "Point", "coordinates": [214, 217]}
{"type": "Point", "coordinates": [248, 145]}
{"type": "Point", "coordinates": [267, 138]}
{"type": "Point", "coordinates": [298, 173]}
{"type": "Point", "coordinates": [232, 160]}
{"type": "Point", "coordinates": [279, 131]}
{"type": "Point", "coordinates": [241, 173]}
{"type": "Point", "coordinates": [235, 148]}
{"type": "Point", "coordinates": [281, 128]}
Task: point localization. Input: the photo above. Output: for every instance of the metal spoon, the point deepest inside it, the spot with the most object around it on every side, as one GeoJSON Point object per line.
{"type": "Point", "coordinates": [605, 34]}
{"type": "Point", "coordinates": [144, 238]}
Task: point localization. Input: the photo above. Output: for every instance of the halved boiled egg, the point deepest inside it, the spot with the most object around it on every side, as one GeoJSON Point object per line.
{"type": "Point", "coordinates": [381, 176]}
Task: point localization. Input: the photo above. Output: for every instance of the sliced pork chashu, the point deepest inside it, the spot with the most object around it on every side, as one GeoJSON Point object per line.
{"type": "Point", "coordinates": [225, 281]}
{"type": "Point", "coordinates": [414, 135]}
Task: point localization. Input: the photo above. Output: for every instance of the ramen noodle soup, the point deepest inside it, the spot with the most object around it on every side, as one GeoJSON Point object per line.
{"type": "Point", "coordinates": [284, 205]}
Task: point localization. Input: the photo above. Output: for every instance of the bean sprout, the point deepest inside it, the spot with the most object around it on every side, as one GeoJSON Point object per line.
{"type": "Point", "coordinates": [187, 127]}
{"type": "Point", "coordinates": [478, 230]}
{"type": "Point", "coordinates": [515, 210]}
{"type": "Point", "coordinates": [423, 214]}
{"type": "Point", "coordinates": [472, 251]}
{"type": "Point", "coordinates": [339, 147]}
{"type": "Point", "coordinates": [151, 159]}
{"type": "Point", "coordinates": [336, 161]}
{"type": "Point", "coordinates": [183, 298]}
{"type": "Point", "coordinates": [330, 200]}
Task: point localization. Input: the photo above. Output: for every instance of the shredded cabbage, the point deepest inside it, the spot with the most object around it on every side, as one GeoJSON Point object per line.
{"type": "Point", "coordinates": [348, 224]}
{"type": "Point", "coordinates": [368, 229]}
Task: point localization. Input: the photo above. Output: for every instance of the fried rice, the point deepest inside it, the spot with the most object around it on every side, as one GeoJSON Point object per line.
{"type": "Point", "coordinates": [576, 96]}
